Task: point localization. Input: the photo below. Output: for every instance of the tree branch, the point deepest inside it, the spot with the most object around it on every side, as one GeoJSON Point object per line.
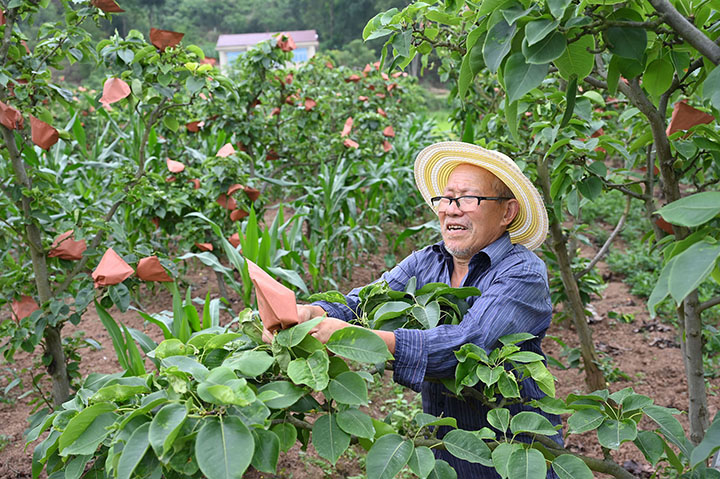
{"type": "Point", "coordinates": [708, 304]}
{"type": "Point", "coordinates": [603, 251]}
{"type": "Point", "coordinates": [687, 31]}
{"type": "Point", "coordinates": [111, 212]}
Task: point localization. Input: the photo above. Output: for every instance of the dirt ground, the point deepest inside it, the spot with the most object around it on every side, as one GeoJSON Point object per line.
{"type": "Point", "coordinates": [647, 352]}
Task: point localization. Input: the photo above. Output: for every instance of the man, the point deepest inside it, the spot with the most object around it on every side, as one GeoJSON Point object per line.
{"type": "Point", "coordinates": [490, 217]}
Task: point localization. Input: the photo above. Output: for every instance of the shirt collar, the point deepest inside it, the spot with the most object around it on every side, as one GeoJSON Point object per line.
{"type": "Point", "coordinates": [492, 252]}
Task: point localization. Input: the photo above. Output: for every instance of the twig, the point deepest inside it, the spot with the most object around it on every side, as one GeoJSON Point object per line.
{"type": "Point", "coordinates": [111, 212]}
{"type": "Point", "coordinates": [605, 247]}
{"type": "Point", "coordinates": [708, 304]}
{"type": "Point", "coordinates": [687, 31]}
{"type": "Point", "coordinates": [607, 466]}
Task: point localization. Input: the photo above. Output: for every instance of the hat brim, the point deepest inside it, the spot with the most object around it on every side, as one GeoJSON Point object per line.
{"type": "Point", "coordinates": [434, 164]}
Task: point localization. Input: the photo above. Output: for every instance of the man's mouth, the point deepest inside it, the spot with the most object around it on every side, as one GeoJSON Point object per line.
{"type": "Point", "coordinates": [456, 228]}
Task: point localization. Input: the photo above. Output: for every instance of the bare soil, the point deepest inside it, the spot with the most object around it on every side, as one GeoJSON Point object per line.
{"type": "Point", "coordinates": [646, 351]}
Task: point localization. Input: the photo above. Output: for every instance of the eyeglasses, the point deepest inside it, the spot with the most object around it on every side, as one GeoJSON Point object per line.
{"type": "Point", "coordinates": [465, 204]}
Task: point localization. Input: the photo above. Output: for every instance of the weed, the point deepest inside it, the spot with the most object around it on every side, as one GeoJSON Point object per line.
{"type": "Point", "coordinates": [626, 318]}
{"type": "Point", "coordinates": [611, 372]}
{"type": "Point", "coordinates": [4, 441]}
{"type": "Point", "coordinates": [11, 380]}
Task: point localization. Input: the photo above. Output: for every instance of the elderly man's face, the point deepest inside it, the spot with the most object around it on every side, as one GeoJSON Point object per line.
{"type": "Point", "coordinates": [465, 234]}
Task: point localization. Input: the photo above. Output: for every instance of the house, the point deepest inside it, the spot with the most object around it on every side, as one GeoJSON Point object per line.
{"type": "Point", "coordinates": [229, 47]}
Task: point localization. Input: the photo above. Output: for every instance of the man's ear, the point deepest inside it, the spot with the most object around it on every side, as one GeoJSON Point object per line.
{"type": "Point", "coordinates": [512, 208]}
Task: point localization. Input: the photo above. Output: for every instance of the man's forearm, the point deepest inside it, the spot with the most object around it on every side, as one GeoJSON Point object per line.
{"type": "Point", "coordinates": [388, 337]}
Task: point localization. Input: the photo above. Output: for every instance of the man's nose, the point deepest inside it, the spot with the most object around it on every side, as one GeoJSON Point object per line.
{"type": "Point", "coordinates": [454, 208]}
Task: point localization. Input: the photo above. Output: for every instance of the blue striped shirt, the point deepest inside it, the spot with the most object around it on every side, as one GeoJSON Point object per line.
{"type": "Point", "coordinates": [515, 299]}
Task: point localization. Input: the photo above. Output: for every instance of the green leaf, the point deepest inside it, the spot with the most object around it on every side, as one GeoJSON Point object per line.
{"type": "Point", "coordinates": [356, 423]}
{"type": "Point", "coordinates": [591, 187]}
{"type": "Point", "coordinates": [280, 394]}
{"type": "Point", "coordinates": [651, 445]}
{"type": "Point", "coordinates": [115, 334]}
{"type": "Point", "coordinates": [501, 456]}
{"type": "Point", "coordinates": [91, 437]}
{"type": "Point", "coordinates": [466, 445]}
{"type": "Point", "coordinates": [669, 426]}
{"type": "Point", "coordinates": [267, 451]}
{"type": "Point", "coordinates": [658, 77]}
{"type": "Point", "coordinates": [691, 268]}
{"type": "Point", "coordinates": [557, 7]}
{"type": "Point", "coordinates": [358, 344]}
{"type": "Point", "coordinates": [291, 337]}
{"type": "Point", "coordinates": [527, 464]}
{"type": "Point", "coordinates": [508, 386]}
{"type": "Point", "coordinates": [539, 29]}
{"type": "Point", "coordinates": [329, 440]}
{"type": "Point", "coordinates": [570, 97]}
{"type": "Point", "coordinates": [499, 418]}
{"type": "Point", "coordinates": [187, 365]}
{"type": "Point", "coordinates": [626, 42]}
{"type": "Point", "coordinates": [442, 17]}
{"type": "Point", "coordinates": [711, 88]}
{"type": "Point", "coordinates": [133, 452]}
{"type": "Point", "coordinates": [80, 423]}
{"type": "Point", "coordinates": [422, 420]}
{"type": "Point", "coordinates": [585, 420]}
{"type": "Point", "coordinates": [224, 447]}
{"type": "Point", "coordinates": [442, 469]}
{"type": "Point", "coordinates": [693, 210]}
{"type": "Point", "coordinates": [391, 309]}
{"type": "Point", "coordinates": [120, 295]}
{"type": "Point", "coordinates": [543, 377]}
{"type": "Point", "coordinates": [166, 426]}
{"type": "Point", "coordinates": [286, 433]}
{"type": "Point", "coordinates": [170, 347]}
{"type": "Point", "coordinates": [497, 44]}
{"type": "Point", "coordinates": [511, 117]}
{"type": "Point", "coordinates": [521, 77]}
{"type": "Point", "coordinates": [514, 12]}
{"type": "Point", "coordinates": [118, 392]}
{"type": "Point", "coordinates": [329, 296]}
{"type": "Point", "coordinates": [194, 84]}
{"type": "Point", "coordinates": [567, 466]}
{"type": "Point", "coordinates": [388, 456]}
{"type": "Point", "coordinates": [422, 461]}
{"type": "Point", "coordinates": [709, 444]}
{"type": "Point", "coordinates": [528, 421]}
{"type": "Point", "coordinates": [349, 388]}
{"type": "Point", "coordinates": [250, 363]}
{"type": "Point", "coordinates": [577, 58]}
{"type": "Point", "coordinates": [171, 123]}
{"type": "Point", "coordinates": [312, 371]}
{"type": "Point", "coordinates": [76, 466]}
{"type": "Point", "coordinates": [136, 363]}
{"type": "Point", "coordinates": [662, 287]}
{"type": "Point", "coordinates": [466, 76]}
{"type": "Point", "coordinates": [546, 50]}
{"type": "Point", "coordinates": [612, 433]}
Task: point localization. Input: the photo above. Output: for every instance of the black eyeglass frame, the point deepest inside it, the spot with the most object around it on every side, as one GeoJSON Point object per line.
{"type": "Point", "coordinates": [434, 201]}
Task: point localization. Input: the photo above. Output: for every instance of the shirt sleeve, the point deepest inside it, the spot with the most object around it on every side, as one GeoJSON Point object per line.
{"type": "Point", "coordinates": [397, 278]}
{"type": "Point", "coordinates": [515, 302]}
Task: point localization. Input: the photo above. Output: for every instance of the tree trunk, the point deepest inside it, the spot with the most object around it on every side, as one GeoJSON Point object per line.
{"type": "Point", "coordinates": [594, 378]}
{"type": "Point", "coordinates": [694, 369]}
{"type": "Point", "coordinates": [692, 340]}
{"type": "Point", "coordinates": [53, 341]}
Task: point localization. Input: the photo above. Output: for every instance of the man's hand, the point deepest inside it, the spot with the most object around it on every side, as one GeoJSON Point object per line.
{"type": "Point", "coordinates": [326, 327]}
{"type": "Point", "coordinates": [305, 312]}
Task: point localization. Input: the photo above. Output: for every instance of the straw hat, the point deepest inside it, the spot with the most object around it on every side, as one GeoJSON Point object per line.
{"type": "Point", "coordinates": [434, 164]}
